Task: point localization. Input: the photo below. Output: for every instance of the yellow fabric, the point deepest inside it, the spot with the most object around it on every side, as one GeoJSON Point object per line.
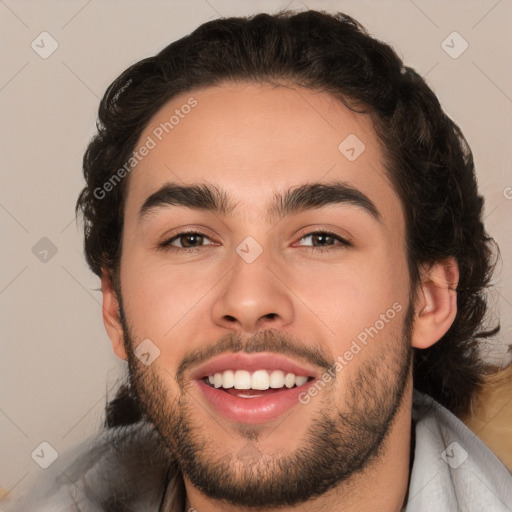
{"type": "Point", "coordinates": [491, 416]}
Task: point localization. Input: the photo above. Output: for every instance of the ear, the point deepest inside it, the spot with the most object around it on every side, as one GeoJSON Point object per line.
{"type": "Point", "coordinates": [111, 314]}
{"type": "Point", "coordinates": [436, 303]}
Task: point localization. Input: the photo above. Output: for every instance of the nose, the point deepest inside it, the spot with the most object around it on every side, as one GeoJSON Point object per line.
{"type": "Point", "coordinates": [253, 297]}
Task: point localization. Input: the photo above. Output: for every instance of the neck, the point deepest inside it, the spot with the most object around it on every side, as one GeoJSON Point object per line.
{"type": "Point", "coordinates": [381, 486]}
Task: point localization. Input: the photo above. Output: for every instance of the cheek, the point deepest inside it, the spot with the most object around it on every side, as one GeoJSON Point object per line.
{"type": "Point", "coordinates": [163, 302]}
{"type": "Point", "coordinates": [350, 296]}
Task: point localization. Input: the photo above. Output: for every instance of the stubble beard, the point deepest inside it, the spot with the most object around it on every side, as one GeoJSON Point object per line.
{"type": "Point", "coordinates": [337, 445]}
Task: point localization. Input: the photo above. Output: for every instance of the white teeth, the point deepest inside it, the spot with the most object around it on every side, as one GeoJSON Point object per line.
{"type": "Point", "coordinates": [277, 379]}
{"type": "Point", "coordinates": [242, 379]}
{"type": "Point", "coordinates": [260, 379]}
{"type": "Point", "coordinates": [289, 380]}
{"type": "Point", "coordinates": [299, 381]}
{"type": "Point", "coordinates": [228, 379]}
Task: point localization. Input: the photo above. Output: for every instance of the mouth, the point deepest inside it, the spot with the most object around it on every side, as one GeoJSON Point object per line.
{"type": "Point", "coordinates": [252, 384]}
{"type": "Point", "coordinates": [252, 388]}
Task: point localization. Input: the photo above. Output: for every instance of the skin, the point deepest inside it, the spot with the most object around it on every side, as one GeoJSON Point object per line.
{"type": "Point", "coordinates": [254, 141]}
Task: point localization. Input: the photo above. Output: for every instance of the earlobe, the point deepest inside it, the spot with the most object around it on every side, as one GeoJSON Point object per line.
{"type": "Point", "coordinates": [436, 303]}
{"type": "Point", "coordinates": [111, 318]}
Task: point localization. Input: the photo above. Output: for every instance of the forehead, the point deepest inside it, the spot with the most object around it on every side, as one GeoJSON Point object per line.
{"type": "Point", "coordinates": [256, 140]}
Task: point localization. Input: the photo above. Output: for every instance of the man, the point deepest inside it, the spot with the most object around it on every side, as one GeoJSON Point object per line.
{"type": "Point", "coordinates": [288, 234]}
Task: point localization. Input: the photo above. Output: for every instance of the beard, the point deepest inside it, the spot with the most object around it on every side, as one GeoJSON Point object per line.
{"type": "Point", "coordinates": [340, 442]}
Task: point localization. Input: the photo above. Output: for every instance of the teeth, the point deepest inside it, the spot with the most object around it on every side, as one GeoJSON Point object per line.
{"type": "Point", "coordinates": [260, 379]}
{"type": "Point", "coordinates": [242, 379]}
{"type": "Point", "coordinates": [300, 380]}
{"type": "Point", "coordinates": [228, 379]}
{"type": "Point", "coordinates": [289, 380]}
{"type": "Point", "coordinates": [277, 379]}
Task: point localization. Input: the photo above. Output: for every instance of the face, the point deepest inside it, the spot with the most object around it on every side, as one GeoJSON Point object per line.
{"type": "Point", "coordinates": [269, 303]}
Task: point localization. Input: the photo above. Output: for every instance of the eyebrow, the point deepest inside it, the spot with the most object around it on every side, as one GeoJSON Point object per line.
{"type": "Point", "coordinates": [209, 197]}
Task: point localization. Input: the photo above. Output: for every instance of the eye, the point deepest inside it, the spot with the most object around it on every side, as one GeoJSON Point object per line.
{"type": "Point", "coordinates": [324, 241]}
{"type": "Point", "coordinates": [317, 240]}
{"type": "Point", "coordinates": [186, 240]}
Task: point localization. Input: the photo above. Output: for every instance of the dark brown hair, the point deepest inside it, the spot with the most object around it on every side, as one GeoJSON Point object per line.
{"type": "Point", "coordinates": [427, 158]}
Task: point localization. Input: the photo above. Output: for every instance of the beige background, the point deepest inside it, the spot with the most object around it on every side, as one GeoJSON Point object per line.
{"type": "Point", "coordinates": [56, 365]}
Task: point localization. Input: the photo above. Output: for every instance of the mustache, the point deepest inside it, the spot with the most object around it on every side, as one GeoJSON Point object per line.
{"type": "Point", "coordinates": [269, 340]}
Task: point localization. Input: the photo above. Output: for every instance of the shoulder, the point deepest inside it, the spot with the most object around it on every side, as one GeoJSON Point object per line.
{"type": "Point", "coordinates": [125, 468]}
{"type": "Point", "coordinates": [453, 469]}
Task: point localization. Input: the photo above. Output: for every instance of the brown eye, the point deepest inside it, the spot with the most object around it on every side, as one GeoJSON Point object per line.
{"type": "Point", "coordinates": [191, 240]}
{"type": "Point", "coordinates": [186, 241]}
{"type": "Point", "coordinates": [323, 239]}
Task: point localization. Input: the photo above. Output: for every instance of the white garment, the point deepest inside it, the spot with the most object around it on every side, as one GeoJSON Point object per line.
{"type": "Point", "coordinates": [127, 469]}
{"type": "Point", "coordinates": [453, 469]}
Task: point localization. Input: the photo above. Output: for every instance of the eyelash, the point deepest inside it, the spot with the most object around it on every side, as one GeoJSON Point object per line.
{"type": "Point", "coordinates": [343, 243]}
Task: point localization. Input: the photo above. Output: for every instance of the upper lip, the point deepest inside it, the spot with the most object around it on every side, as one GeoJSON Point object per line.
{"type": "Point", "coordinates": [252, 362]}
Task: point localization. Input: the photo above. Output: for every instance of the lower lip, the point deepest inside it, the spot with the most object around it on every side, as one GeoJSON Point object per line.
{"type": "Point", "coordinates": [252, 410]}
